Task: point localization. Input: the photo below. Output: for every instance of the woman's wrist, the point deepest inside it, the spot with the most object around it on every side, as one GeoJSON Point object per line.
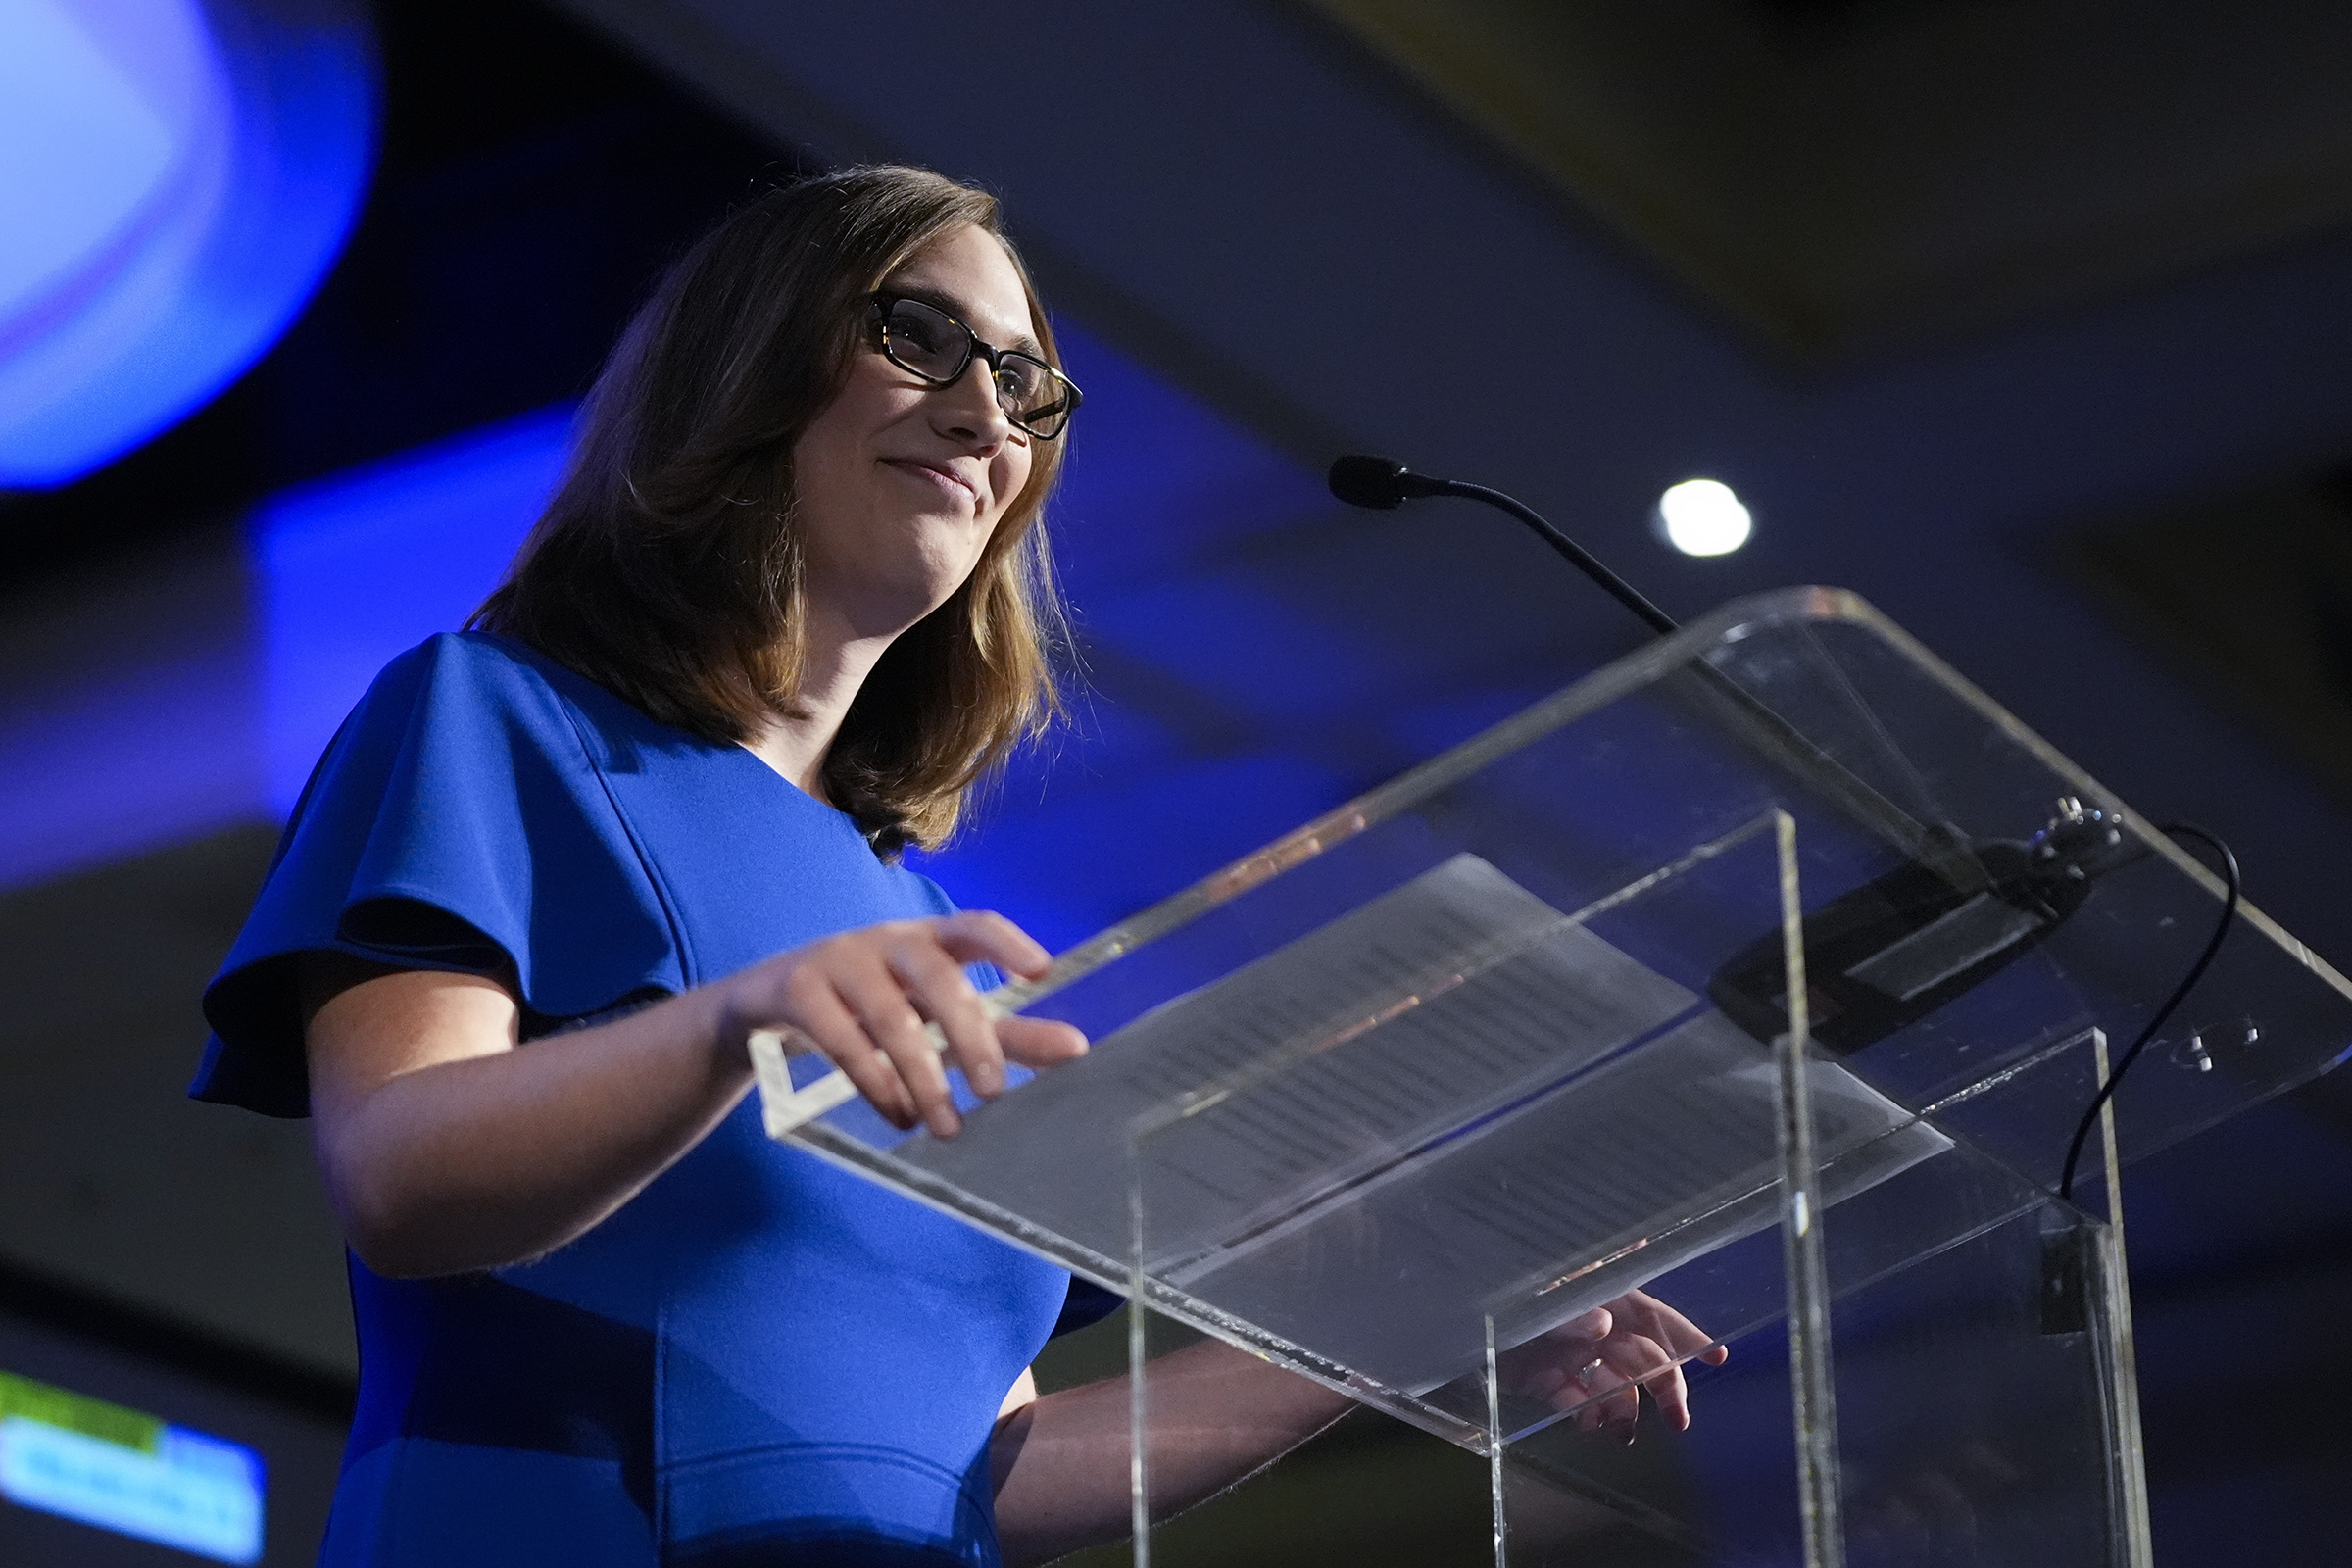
{"type": "Point", "coordinates": [714, 1019]}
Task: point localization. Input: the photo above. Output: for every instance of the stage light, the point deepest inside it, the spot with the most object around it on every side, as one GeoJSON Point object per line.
{"type": "Point", "coordinates": [129, 1472]}
{"type": "Point", "coordinates": [1703, 517]}
{"type": "Point", "coordinates": [175, 177]}
{"type": "Point", "coordinates": [350, 570]}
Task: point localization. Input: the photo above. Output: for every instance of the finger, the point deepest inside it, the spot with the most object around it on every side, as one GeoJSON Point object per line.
{"type": "Point", "coordinates": [880, 1004]}
{"type": "Point", "coordinates": [1673, 1394]}
{"type": "Point", "coordinates": [819, 1014]}
{"type": "Point", "coordinates": [1643, 1362]}
{"type": "Point", "coordinates": [1586, 1328]}
{"type": "Point", "coordinates": [1600, 1395]}
{"type": "Point", "coordinates": [1564, 1369]}
{"type": "Point", "coordinates": [942, 992]}
{"type": "Point", "coordinates": [1546, 1381]}
{"type": "Point", "coordinates": [1622, 1408]}
{"type": "Point", "coordinates": [1645, 1314]}
{"type": "Point", "coordinates": [983, 936]}
{"type": "Point", "coordinates": [1039, 1041]}
{"type": "Point", "coordinates": [1662, 1323]}
{"type": "Point", "coordinates": [1589, 1389]}
{"type": "Point", "coordinates": [1606, 1391]}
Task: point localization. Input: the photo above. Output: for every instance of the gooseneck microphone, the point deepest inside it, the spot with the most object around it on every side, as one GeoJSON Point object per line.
{"type": "Point", "coordinates": [1886, 955]}
{"type": "Point", "coordinates": [1883, 955]}
{"type": "Point", "coordinates": [1384, 485]}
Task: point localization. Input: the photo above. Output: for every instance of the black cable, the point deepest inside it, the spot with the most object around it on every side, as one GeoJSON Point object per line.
{"type": "Point", "coordinates": [2091, 1117]}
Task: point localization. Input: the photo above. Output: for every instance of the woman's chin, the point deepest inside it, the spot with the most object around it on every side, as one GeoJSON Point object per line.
{"type": "Point", "coordinates": [886, 608]}
{"type": "Point", "coordinates": [903, 572]}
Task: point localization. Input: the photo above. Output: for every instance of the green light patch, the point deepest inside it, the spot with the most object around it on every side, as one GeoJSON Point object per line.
{"type": "Point", "coordinates": [28, 1401]}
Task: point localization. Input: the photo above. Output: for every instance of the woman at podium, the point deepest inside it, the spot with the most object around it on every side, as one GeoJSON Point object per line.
{"type": "Point", "coordinates": [789, 602]}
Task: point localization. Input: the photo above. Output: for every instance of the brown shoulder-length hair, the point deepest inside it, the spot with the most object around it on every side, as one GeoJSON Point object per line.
{"type": "Point", "coordinates": [668, 569]}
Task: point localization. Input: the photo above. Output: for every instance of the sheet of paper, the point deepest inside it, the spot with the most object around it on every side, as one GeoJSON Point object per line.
{"type": "Point", "coordinates": [1401, 1021]}
{"type": "Point", "coordinates": [1568, 1201]}
{"type": "Point", "coordinates": [1428, 1114]}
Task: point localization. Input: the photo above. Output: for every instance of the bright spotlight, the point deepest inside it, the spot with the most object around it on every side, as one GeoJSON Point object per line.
{"type": "Point", "coordinates": [1703, 517]}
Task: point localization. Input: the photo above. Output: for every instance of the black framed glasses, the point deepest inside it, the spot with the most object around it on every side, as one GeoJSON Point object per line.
{"type": "Point", "coordinates": [933, 346]}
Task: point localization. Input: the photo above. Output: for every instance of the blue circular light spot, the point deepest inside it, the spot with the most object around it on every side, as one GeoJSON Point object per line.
{"type": "Point", "coordinates": [176, 178]}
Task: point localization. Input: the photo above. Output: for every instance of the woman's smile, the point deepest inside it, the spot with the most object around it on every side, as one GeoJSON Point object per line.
{"type": "Point", "coordinates": [939, 477]}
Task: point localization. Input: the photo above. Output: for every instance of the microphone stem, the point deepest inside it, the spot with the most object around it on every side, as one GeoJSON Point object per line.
{"type": "Point", "coordinates": [1578, 557]}
{"type": "Point", "coordinates": [1945, 852]}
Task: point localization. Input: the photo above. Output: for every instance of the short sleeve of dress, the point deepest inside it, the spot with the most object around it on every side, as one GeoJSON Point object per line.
{"type": "Point", "coordinates": [457, 822]}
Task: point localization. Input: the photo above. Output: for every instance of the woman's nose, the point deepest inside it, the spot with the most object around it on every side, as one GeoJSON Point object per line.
{"type": "Point", "coordinates": [971, 402]}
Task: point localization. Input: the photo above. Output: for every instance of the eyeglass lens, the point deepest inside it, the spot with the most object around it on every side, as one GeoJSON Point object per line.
{"type": "Point", "coordinates": [938, 348]}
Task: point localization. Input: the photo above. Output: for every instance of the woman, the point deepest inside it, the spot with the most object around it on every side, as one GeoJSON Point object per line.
{"type": "Point", "coordinates": [788, 605]}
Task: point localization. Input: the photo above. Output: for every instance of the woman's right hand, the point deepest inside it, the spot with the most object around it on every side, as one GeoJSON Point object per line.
{"type": "Point", "coordinates": [862, 998]}
{"type": "Point", "coordinates": [447, 1148]}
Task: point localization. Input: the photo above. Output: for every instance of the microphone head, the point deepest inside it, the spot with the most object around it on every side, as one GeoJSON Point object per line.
{"type": "Point", "coordinates": [1368, 481]}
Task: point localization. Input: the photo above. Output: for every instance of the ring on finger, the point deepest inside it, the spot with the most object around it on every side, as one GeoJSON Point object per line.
{"type": "Point", "coordinates": [1585, 1373]}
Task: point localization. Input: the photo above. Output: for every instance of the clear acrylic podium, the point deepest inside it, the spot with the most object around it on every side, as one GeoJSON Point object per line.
{"type": "Point", "coordinates": [1768, 972]}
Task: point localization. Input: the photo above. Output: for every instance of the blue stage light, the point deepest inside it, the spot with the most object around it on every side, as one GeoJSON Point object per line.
{"type": "Point", "coordinates": [353, 571]}
{"type": "Point", "coordinates": [174, 179]}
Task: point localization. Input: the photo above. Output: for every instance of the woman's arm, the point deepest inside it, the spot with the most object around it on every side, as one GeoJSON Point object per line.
{"type": "Point", "coordinates": [1217, 1415]}
{"type": "Point", "coordinates": [446, 1147]}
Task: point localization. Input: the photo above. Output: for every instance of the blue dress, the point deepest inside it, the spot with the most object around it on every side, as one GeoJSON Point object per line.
{"type": "Point", "coordinates": [759, 1359]}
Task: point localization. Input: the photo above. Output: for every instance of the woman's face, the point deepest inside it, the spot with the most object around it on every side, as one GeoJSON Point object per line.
{"type": "Point", "coordinates": [899, 484]}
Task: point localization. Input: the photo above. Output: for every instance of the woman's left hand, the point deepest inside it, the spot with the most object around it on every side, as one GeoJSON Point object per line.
{"type": "Point", "coordinates": [1603, 1360]}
